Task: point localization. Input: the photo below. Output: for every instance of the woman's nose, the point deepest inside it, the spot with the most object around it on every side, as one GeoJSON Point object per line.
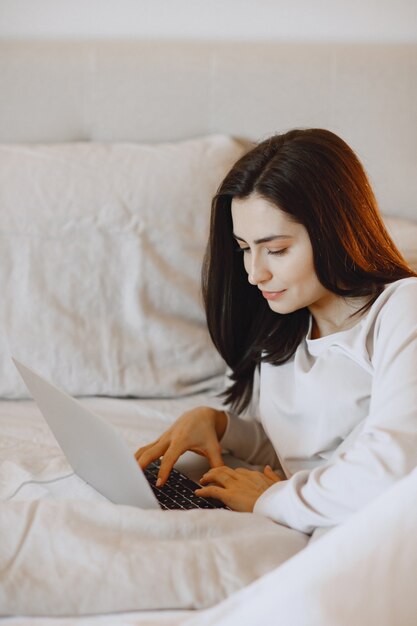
{"type": "Point", "coordinates": [258, 273]}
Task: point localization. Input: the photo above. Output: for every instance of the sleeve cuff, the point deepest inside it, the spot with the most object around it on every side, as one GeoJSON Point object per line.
{"type": "Point", "coordinates": [282, 503]}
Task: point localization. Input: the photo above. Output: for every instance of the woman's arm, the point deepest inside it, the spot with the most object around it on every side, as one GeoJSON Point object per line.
{"type": "Point", "coordinates": [380, 451]}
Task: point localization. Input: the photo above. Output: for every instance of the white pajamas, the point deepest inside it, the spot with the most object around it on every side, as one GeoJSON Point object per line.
{"type": "Point", "coordinates": [341, 416]}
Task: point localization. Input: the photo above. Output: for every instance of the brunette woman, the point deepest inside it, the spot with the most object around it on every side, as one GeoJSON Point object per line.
{"type": "Point", "coordinates": [303, 286]}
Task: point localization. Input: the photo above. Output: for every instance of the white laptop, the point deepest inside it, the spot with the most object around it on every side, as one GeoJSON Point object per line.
{"type": "Point", "coordinates": [98, 453]}
{"type": "Point", "coordinates": [95, 449]}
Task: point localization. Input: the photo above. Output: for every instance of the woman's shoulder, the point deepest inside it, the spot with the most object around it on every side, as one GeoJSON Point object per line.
{"type": "Point", "coordinates": [395, 309]}
{"type": "Point", "coordinates": [409, 283]}
{"type": "Point", "coordinates": [399, 293]}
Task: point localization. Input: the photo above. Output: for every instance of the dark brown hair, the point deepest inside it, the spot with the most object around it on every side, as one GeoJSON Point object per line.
{"type": "Point", "coordinates": [315, 177]}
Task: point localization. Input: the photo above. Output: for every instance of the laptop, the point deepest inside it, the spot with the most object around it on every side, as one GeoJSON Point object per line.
{"type": "Point", "coordinates": [100, 456]}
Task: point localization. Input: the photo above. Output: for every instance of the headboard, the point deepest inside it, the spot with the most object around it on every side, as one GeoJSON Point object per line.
{"type": "Point", "coordinates": [149, 91]}
{"type": "Point", "coordinates": [97, 226]}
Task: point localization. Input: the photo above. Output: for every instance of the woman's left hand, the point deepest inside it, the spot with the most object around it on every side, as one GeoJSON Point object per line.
{"type": "Point", "coordinates": [238, 489]}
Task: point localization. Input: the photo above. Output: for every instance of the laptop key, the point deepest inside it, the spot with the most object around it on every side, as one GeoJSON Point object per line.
{"type": "Point", "coordinates": [178, 491]}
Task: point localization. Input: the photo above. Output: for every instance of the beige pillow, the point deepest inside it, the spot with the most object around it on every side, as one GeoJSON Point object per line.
{"type": "Point", "coordinates": [101, 248]}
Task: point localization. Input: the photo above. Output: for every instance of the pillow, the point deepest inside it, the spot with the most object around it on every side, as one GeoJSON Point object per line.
{"type": "Point", "coordinates": [101, 247]}
{"type": "Point", "coordinates": [404, 234]}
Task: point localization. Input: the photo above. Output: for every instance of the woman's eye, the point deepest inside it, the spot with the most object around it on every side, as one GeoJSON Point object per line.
{"type": "Point", "coordinates": [242, 249]}
{"type": "Point", "coordinates": [282, 251]}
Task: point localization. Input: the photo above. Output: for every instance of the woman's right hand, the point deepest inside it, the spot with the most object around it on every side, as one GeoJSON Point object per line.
{"type": "Point", "coordinates": [199, 430]}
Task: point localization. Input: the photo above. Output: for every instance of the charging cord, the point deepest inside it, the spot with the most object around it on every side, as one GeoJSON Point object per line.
{"type": "Point", "coordinates": [39, 482]}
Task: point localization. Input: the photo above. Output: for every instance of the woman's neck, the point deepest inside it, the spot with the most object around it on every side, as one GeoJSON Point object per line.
{"type": "Point", "coordinates": [336, 315]}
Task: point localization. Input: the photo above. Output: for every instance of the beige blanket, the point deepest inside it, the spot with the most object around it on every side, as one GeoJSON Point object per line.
{"type": "Point", "coordinates": [77, 558]}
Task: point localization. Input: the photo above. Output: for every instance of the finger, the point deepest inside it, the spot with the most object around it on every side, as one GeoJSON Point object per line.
{"type": "Point", "coordinates": [214, 492]}
{"type": "Point", "coordinates": [269, 473]}
{"type": "Point", "coordinates": [244, 470]}
{"type": "Point", "coordinates": [143, 449]}
{"type": "Point", "coordinates": [214, 456]}
{"type": "Point", "coordinates": [212, 452]}
{"type": "Point", "coordinates": [155, 451]}
{"type": "Point", "coordinates": [221, 475]}
{"type": "Point", "coordinates": [168, 461]}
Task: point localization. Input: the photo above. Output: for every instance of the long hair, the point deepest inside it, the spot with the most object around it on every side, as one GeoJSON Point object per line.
{"type": "Point", "coordinates": [316, 178]}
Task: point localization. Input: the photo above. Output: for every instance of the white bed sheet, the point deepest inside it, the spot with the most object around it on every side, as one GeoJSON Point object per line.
{"type": "Point", "coordinates": [246, 546]}
{"type": "Point", "coordinates": [28, 451]}
{"type": "Point", "coordinates": [143, 618]}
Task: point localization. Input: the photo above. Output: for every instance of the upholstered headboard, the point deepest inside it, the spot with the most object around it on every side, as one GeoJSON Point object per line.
{"type": "Point", "coordinates": [58, 91]}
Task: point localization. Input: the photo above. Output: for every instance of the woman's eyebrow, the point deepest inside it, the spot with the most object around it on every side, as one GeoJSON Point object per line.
{"type": "Point", "coordinates": [264, 239]}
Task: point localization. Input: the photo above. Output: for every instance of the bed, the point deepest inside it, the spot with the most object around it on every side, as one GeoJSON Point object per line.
{"type": "Point", "coordinates": [110, 153]}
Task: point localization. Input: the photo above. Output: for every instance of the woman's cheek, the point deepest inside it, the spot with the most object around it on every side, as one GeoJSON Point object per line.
{"type": "Point", "coordinates": [246, 264]}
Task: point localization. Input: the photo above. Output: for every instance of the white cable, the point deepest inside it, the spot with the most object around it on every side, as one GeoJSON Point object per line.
{"type": "Point", "coordinates": [39, 482]}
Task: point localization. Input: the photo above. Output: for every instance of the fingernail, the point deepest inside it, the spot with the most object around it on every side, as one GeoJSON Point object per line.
{"type": "Point", "coordinates": [158, 482]}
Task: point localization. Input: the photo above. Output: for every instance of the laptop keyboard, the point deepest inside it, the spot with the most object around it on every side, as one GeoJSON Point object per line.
{"type": "Point", "coordinates": [178, 491]}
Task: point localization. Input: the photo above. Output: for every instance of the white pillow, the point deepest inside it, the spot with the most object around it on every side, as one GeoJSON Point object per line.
{"type": "Point", "coordinates": [101, 248]}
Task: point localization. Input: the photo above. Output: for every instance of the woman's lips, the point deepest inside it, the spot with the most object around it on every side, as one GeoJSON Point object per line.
{"type": "Point", "coordinates": [272, 295]}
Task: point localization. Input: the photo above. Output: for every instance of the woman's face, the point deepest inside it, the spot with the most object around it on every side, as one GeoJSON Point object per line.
{"type": "Point", "coordinates": [277, 255]}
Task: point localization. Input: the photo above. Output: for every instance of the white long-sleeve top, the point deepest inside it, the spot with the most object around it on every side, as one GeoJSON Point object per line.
{"type": "Point", "coordinates": [341, 416]}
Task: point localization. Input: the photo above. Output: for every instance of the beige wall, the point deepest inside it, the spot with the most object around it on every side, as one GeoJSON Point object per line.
{"type": "Point", "coordinates": [294, 20]}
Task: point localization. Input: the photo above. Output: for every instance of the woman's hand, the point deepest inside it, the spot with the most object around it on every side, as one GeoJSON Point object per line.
{"type": "Point", "coordinates": [199, 430]}
{"type": "Point", "coordinates": [238, 489]}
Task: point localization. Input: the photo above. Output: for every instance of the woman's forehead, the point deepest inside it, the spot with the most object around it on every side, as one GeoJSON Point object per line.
{"type": "Point", "coordinates": [256, 215]}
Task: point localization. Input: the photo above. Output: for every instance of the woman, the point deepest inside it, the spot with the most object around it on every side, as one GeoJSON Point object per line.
{"type": "Point", "coordinates": [302, 283]}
